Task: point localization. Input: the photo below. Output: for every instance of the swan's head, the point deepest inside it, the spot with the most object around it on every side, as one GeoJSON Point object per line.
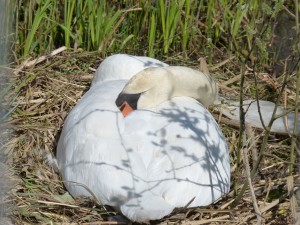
{"type": "Point", "coordinates": [153, 86]}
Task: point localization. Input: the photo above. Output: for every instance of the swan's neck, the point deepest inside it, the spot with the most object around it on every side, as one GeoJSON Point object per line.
{"type": "Point", "coordinates": [157, 85]}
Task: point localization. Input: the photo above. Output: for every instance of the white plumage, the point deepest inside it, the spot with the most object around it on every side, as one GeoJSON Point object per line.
{"type": "Point", "coordinates": [149, 162]}
{"type": "Point", "coordinates": [281, 125]}
{"type": "Point", "coordinates": [123, 67]}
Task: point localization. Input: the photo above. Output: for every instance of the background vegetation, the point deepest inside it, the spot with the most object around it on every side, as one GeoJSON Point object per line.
{"type": "Point", "coordinates": [252, 48]}
{"type": "Point", "coordinates": [144, 27]}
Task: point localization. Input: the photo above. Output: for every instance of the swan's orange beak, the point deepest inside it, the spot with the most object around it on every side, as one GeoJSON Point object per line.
{"type": "Point", "coordinates": [127, 102]}
{"type": "Point", "coordinates": [125, 108]}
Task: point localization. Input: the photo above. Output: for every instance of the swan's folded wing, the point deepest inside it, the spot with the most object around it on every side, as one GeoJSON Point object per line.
{"type": "Point", "coordinates": [176, 152]}
{"type": "Point", "coordinates": [183, 150]}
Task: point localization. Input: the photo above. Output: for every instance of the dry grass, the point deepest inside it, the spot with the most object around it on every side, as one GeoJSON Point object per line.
{"type": "Point", "coordinates": [50, 89]}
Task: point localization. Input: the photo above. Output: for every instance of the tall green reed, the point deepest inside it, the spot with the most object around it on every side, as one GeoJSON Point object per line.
{"type": "Point", "coordinates": [68, 18]}
{"type": "Point", "coordinates": [143, 26]}
{"type": "Point", "coordinates": [170, 14]}
{"type": "Point", "coordinates": [186, 28]}
{"type": "Point", "coordinates": [34, 22]}
{"type": "Point", "coordinates": [152, 33]}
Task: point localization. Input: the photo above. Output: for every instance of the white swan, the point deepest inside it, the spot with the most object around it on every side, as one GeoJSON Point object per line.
{"type": "Point", "coordinates": [250, 106]}
{"type": "Point", "coordinates": [155, 159]}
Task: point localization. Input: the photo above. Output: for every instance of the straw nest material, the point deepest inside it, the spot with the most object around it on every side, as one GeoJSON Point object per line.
{"type": "Point", "coordinates": [43, 93]}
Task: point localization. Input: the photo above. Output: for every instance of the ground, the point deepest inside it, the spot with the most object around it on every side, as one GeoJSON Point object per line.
{"type": "Point", "coordinates": [47, 92]}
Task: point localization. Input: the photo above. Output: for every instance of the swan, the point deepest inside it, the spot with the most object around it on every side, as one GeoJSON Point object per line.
{"type": "Point", "coordinates": [282, 125]}
{"type": "Point", "coordinates": [163, 154]}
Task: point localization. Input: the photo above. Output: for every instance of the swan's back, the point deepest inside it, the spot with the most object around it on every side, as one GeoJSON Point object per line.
{"type": "Point", "coordinates": [122, 66]}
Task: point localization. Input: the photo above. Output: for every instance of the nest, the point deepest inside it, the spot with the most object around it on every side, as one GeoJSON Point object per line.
{"type": "Point", "coordinates": [43, 93]}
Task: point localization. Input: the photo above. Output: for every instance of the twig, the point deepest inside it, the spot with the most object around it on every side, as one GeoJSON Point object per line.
{"type": "Point", "coordinates": [92, 69]}
{"type": "Point", "coordinates": [68, 83]}
{"type": "Point", "coordinates": [44, 57]}
{"type": "Point", "coordinates": [221, 63]}
{"type": "Point", "coordinates": [295, 130]}
{"type": "Point", "coordinates": [21, 67]}
{"type": "Point", "coordinates": [287, 111]}
{"type": "Point", "coordinates": [269, 188]}
{"type": "Point", "coordinates": [232, 80]}
{"type": "Point", "coordinates": [280, 159]}
{"type": "Point", "coordinates": [57, 203]}
{"type": "Point", "coordinates": [203, 66]}
{"type": "Point", "coordinates": [179, 210]}
{"type": "Point", "coordinates": [227, 88]}
{"type": "Point", "coordinates": [242, 122]}
{"type": "Point", "coordinates": [257, 102]}
{"type": "Point", "coordinates": [229, 122]}
{"type": "Point", "coordinates": [248, 172]}
{"type": "Point", "coordinates": [253, 147]}
{"type": "Point", "coordinates": [209, 221]}
{"type": "Point", "coordinates": [273, 203]}
{"type": "Point", "coordinates": [293, 202]}
{"type": "Point", "coordinates": [104, 222]}
{"type": "Point", "coordinates": [27, 63]}
{"type": "Point", "coordinates": [289, 12]}
{"type": "Point", "coordinates": [266, 208]}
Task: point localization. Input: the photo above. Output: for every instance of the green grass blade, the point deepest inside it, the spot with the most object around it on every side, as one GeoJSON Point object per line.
{"type": "Point", "coordinates": [40, 13]}
{"type": "Point", "coordinates": [151, 34]}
